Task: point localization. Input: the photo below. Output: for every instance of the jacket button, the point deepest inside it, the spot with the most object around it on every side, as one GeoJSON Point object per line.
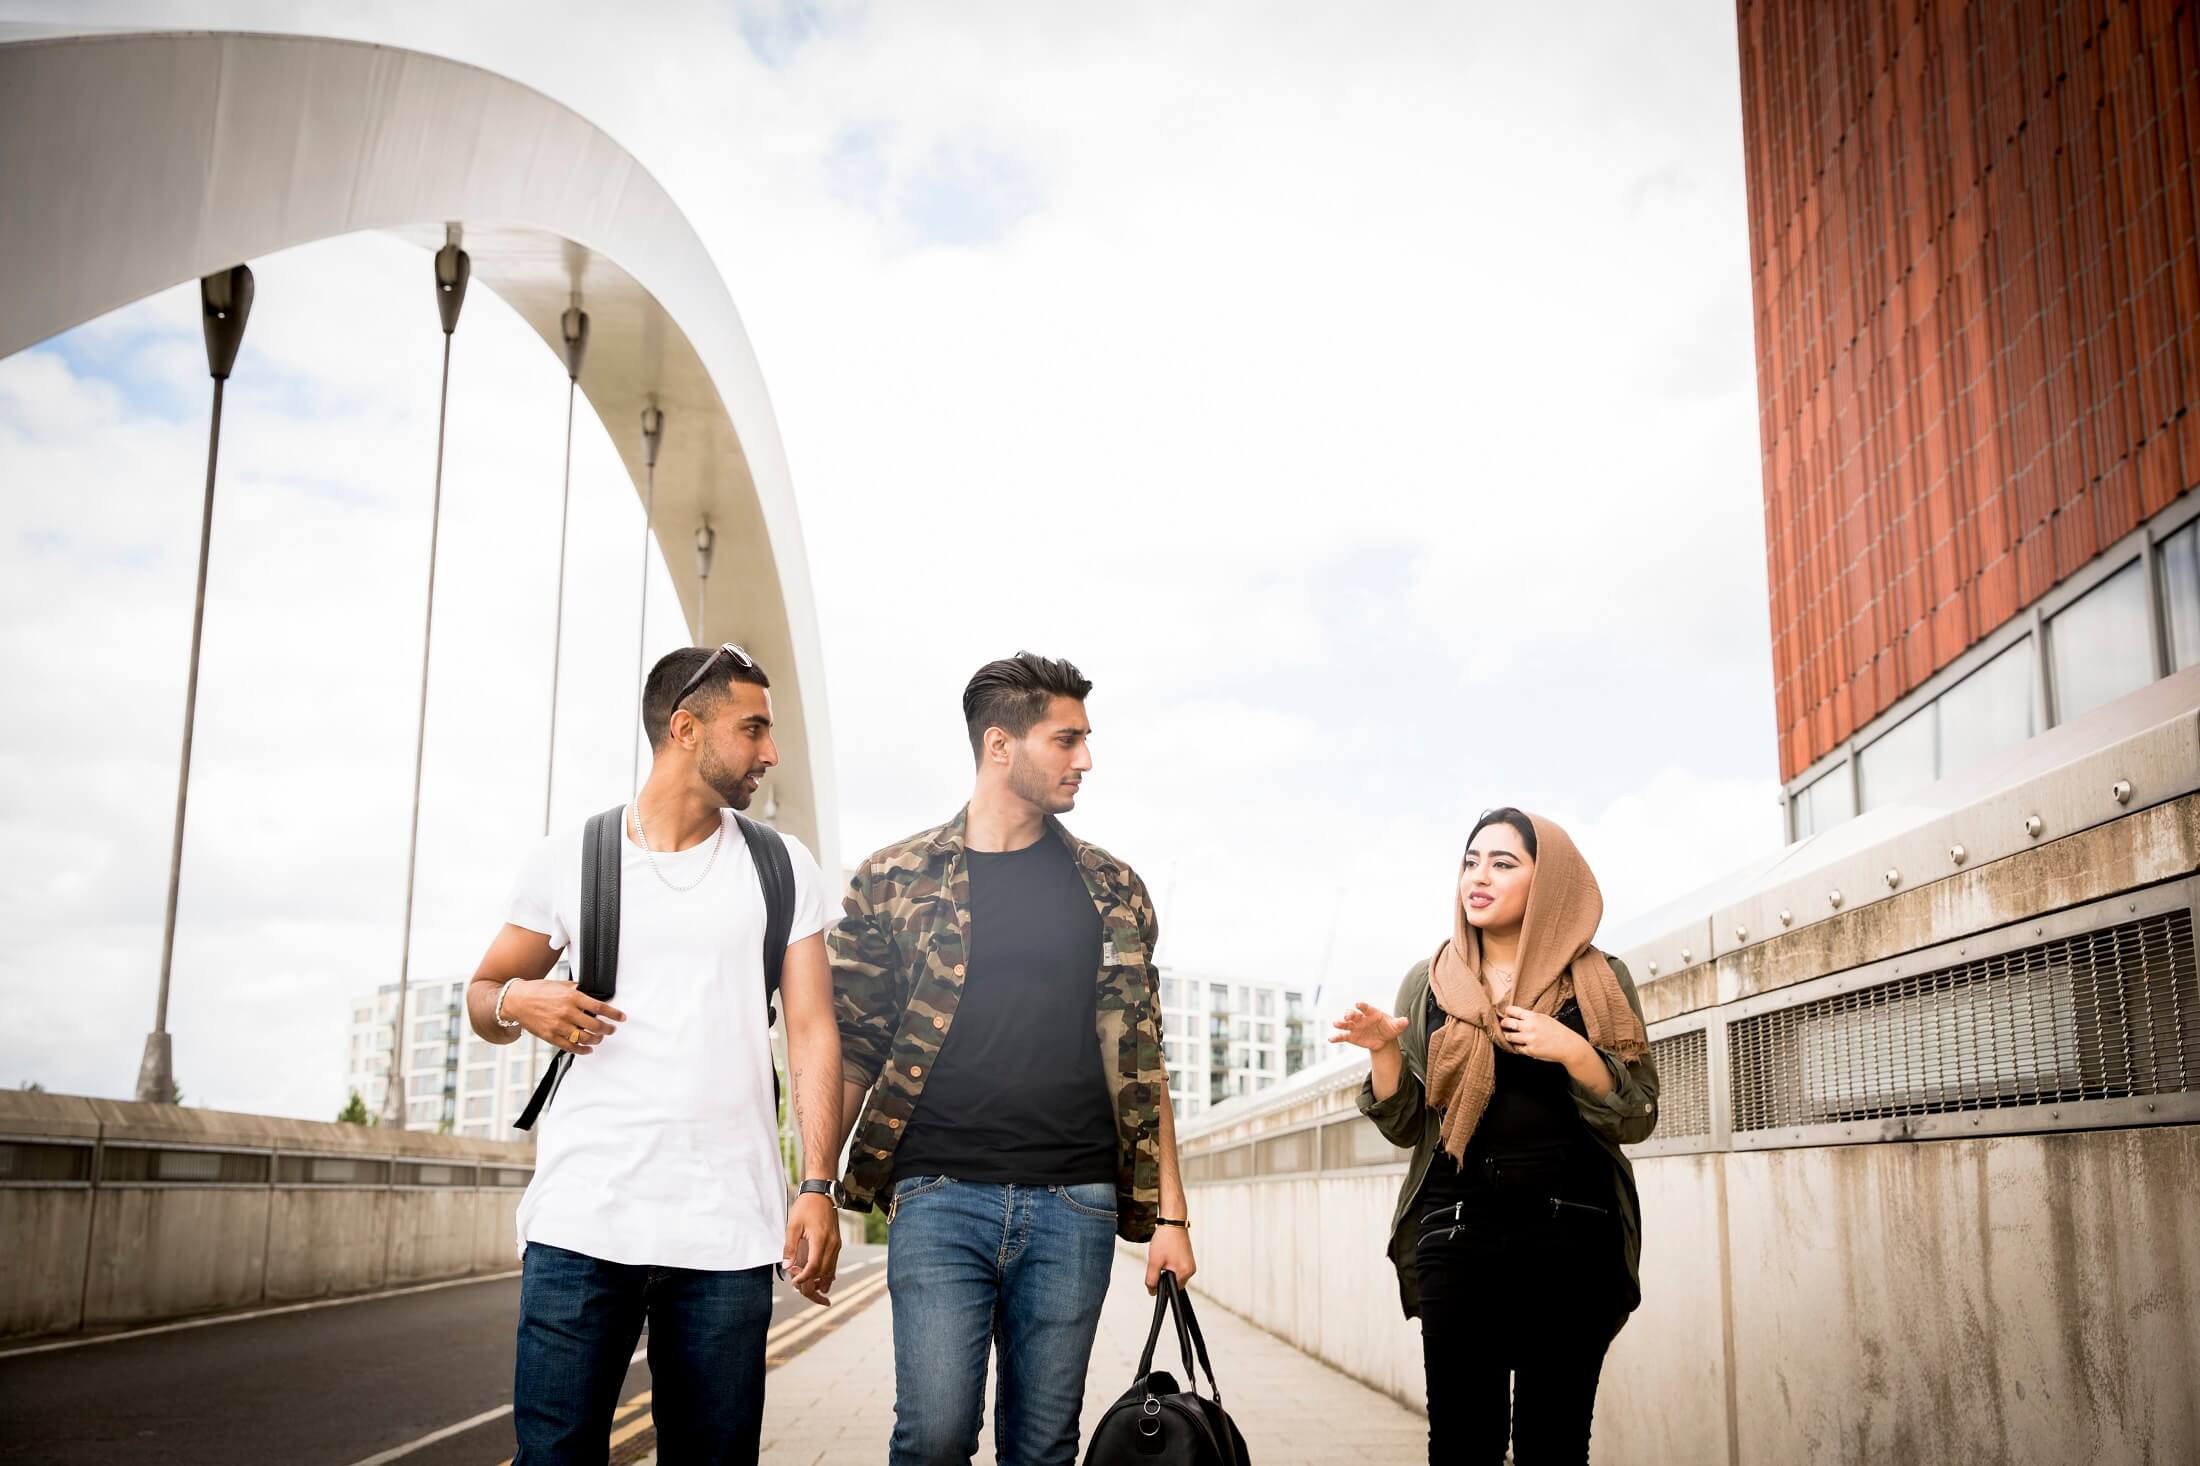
{"type": "Point", "coordinates": [916, 1071]}
{"type": "Point", "coordinates": [938, 1022]}
{"type": "Point", "coordinates": [893, 1124]}
{"type": "Point", "coordinates": [958, 969]}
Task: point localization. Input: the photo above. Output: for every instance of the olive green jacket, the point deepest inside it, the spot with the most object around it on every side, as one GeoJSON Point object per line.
{"type": "Point", "coordinates": [1626, 1116]}
{"type": "Point", "coordinates": [898, 954]}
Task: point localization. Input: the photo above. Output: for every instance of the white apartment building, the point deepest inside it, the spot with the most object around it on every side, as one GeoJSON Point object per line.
{"type": "Point", "coordinates": [1223, 1037]}
{"type": "Point", "coordinates": [454, 1081]}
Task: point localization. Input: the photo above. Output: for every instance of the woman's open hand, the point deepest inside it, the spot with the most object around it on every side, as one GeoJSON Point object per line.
{"type": "Point", "coordinates": [1367, 1027]}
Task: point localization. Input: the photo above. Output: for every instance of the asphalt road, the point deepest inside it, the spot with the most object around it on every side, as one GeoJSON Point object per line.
{"type": "Point", "coordinates": [337, 1384]}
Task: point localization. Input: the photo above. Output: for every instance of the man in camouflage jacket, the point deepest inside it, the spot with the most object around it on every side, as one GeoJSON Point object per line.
{"type": "Point", "coordinates": [1001, 1033]}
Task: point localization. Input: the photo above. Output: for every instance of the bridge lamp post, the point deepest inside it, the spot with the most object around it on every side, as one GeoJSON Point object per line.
{"type": "Point", "coordinates": [653, 437]}
{"type": "Point", "coordinates": [453, 268]}
{"type": "Point", "coordinates": [573, 334]}
{"type": "Point", "coordinates": [573, 328]}
{"type": "Point", "coordinates": [225, 303]}
{"type": "Point", "coordinates": [705, 539]}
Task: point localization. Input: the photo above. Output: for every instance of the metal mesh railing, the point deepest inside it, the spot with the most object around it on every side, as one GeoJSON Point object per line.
{"type": "Point", "coordinates": [2107, 1014]}
{"type": "Point", "coordinates": [1684, 1085]}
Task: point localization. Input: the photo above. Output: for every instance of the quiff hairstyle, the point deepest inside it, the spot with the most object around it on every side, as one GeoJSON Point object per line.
{"type": "Point", "coordinates": [1013, 693]}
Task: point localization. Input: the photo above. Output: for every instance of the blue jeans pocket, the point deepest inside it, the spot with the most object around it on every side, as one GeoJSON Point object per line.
{"type": "Point", "coordinates": [906, 1187]}
{"type": "Point", "coordinates": [1090, 1199]}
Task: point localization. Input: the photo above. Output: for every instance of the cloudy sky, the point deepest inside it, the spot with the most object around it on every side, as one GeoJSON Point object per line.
{"type": "Point", "coordinates": [1362, 395]}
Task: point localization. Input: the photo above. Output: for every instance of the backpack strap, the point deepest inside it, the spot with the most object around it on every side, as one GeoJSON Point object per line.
{"type": "Point", "coordinates": [599, 936]}
{"type": "Point", "coordinates": [600, 859]}
{"type": "Point", "coordinates": [775, 873]}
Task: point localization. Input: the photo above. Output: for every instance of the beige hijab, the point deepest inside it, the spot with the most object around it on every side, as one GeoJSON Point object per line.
{"type": "Point", "coordinates": [1556, 960]}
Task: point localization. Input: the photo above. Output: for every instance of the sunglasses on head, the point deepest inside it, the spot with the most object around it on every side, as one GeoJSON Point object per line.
{"type": "Point", "coordinates": [725, 649]}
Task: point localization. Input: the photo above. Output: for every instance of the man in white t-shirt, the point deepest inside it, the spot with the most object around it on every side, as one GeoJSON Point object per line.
{"type": "Point", "coordinates": [658, 1189]}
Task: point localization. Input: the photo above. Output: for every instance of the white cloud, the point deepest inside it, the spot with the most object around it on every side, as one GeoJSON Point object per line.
{"type": "Point", "coordinates": [1363, 397]}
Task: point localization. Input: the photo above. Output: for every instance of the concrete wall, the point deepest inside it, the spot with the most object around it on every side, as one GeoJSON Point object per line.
{"type": "Point", "coordinates": [97, 1251]}
{"type": "Point", "coordinates": [2029, 1298]}
{"type": "Point", "coordinates": [45, 1239]}
{"type": "Point", "coordinates": [2020, 1299]}
{"type": "Point", "coordinates": [1304, 1259]}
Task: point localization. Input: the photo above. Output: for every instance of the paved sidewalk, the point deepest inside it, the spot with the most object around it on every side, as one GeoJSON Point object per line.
{"type": "Point", "coordinates": [833, 1403]}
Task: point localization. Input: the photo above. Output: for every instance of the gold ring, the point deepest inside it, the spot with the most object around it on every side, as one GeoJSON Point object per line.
{"type": "Point", "coordinates": [576, 1036]}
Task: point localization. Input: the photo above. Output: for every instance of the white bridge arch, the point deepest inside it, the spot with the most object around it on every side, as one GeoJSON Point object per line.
{"type": "Point", "coordinates": [134, 161]}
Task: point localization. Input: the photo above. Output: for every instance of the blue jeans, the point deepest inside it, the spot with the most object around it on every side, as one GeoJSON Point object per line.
{"type": "Point", "coordinates": [579, 1319]}
{"type": "Point", "coordinates": [972, 1266]}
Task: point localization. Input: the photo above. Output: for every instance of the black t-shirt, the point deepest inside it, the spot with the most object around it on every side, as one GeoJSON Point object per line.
{"type": "Point", "coordinates": [1018, 1095]}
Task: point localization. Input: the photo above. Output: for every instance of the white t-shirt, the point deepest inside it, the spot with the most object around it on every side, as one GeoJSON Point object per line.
{"type": "Point", "coordinates": [661, 1148]}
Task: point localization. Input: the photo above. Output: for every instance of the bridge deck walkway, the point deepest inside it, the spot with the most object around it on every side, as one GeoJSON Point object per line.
{"type": "Point", "coordinates": [832, 1404]}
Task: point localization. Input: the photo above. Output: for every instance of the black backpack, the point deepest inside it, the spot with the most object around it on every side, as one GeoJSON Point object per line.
{"type": "Point", "coordinates": [1157, 1424]}
{"type": "Point", "coordinates": [599, 935]}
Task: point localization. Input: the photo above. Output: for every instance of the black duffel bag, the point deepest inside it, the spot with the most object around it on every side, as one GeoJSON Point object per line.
{"type": "Point", "coordinates": [1157, 1424]}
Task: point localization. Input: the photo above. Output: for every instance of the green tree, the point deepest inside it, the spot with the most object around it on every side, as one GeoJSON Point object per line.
{"type": "Point", "coordinates": [355, 1112]}
{"type": "Point", "coordinates": [32, 1086]}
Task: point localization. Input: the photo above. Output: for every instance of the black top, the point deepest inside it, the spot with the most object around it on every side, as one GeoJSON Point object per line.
{"type": "Point", "coordinates": [1530, 1134]}
{"type": "Point", "coordinates": [1017, 1094]}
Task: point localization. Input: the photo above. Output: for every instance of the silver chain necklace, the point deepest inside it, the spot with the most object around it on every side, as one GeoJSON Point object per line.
{"type": "Point", "coordinates": [660, 875]}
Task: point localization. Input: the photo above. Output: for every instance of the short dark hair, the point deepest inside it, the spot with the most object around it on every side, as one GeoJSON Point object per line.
{"type": "Point", "coordinates": [1504, 814]}
{"type": "Point", "coordinates": [671, 674]}
{"type": "Point", "coordinates": [1013, 693]}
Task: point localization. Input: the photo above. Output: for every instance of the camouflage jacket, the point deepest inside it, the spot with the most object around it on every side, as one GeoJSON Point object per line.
{"type": "Point", "coordinates": [898, 954]}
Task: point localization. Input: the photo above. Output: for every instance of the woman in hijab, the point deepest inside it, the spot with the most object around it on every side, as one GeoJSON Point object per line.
{"type": "Point", "coordinates": [1515, 1069]}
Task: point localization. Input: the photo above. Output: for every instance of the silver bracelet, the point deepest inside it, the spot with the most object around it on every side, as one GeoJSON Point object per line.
{"type": "Point", "coordinates": [502, 1021]}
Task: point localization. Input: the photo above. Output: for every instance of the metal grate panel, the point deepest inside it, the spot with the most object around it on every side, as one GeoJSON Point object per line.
{"type": "Point", "coordinates": [330, 1170]}
{"type": "Point", "coordinates": [40, 1164]}
{"type": "Point", "coordinates": [127, 1164]}
{"type": "Point", "coordinates": [2101, 1015]}
{"type": "Point", "coordinates": [1684, 1084]}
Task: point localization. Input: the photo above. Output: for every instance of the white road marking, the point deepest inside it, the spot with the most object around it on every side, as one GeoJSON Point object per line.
{"type": "Point", "coordinates": [435, 1435]}
{"type": "Point", "coordinates": [395, 1452]}
{"type": "Point", "coordinates": [202, 1323]}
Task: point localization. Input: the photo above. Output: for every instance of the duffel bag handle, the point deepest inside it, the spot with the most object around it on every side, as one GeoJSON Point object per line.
{"type": "Point", "coordinates": [1161, 1299]}
{"type": "Point", "coordinates": [1187, 1323]}
{"type": "Point", "coordinates": [1171, 1295]}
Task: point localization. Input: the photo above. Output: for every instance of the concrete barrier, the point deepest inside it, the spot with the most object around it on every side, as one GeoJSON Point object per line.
{"type": "Point", "coordinates": [114, 1213]}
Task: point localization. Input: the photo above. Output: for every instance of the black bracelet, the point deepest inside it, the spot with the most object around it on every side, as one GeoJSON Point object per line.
{"type": "Point", "coordinates": [1183, 1222]}
{"type": "Point", "coordinates": [825, 1189]}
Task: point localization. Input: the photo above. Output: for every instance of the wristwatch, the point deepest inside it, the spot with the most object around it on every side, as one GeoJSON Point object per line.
{"type": "Point", "coordinates": [826, 1189]}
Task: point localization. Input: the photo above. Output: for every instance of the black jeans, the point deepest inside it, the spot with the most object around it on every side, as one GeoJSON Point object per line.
{"type": "Point", "coordinates": [1523, 1367]}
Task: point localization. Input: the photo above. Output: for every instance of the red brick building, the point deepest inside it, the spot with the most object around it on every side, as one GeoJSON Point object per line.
{"type": "Point", "coordinates": [1975, 239]}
